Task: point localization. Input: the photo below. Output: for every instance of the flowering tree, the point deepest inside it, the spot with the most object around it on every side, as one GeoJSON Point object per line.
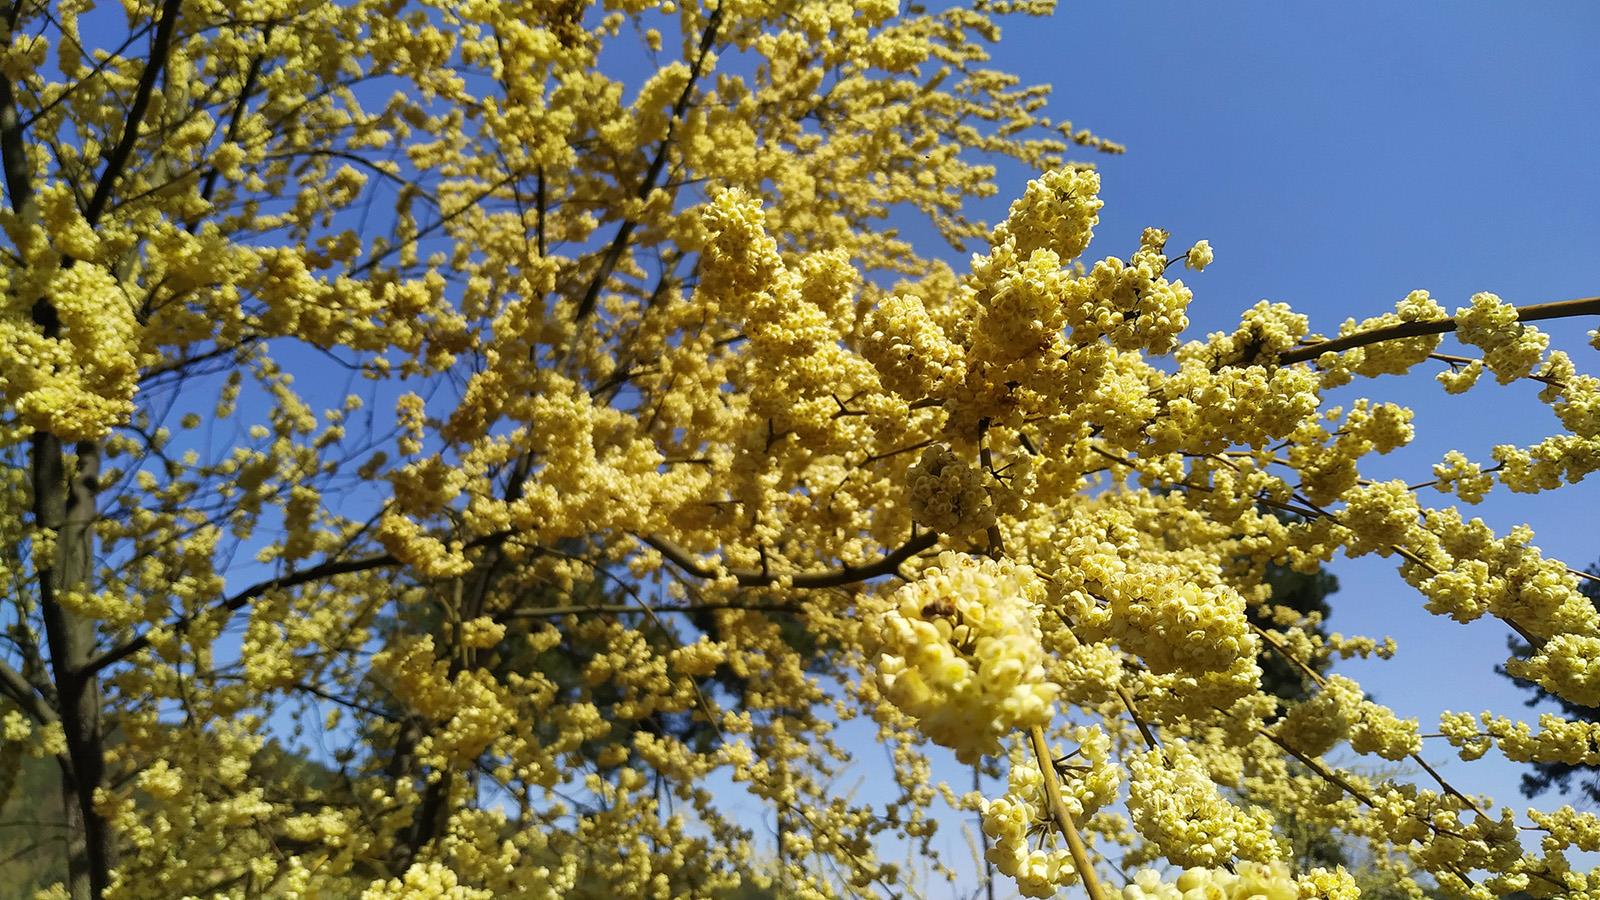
{"type": "Point", "coordinates": [660, 454]}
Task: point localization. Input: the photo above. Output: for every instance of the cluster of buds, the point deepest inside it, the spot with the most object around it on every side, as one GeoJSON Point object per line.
{"type": "Point", "coordinates": [961, 652]}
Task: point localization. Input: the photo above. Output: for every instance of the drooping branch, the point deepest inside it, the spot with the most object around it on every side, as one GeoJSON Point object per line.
{"type": "Point", "coordinates": [1316, 677]}
{"type": "Point", "coordinates": [825, 578]}
{"type": "Point", "coordinates": [822, 578]}
{"type": "Point", "coordinates": [1560, 309]}
{"type": "Point", "coordinates": [243, 598]}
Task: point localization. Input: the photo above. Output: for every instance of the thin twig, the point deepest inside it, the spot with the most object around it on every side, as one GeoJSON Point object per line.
{"type": "Point", "coordinates": [1560, 309]}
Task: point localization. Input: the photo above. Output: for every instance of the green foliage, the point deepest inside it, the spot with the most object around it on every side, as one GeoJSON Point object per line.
{"type": "Point", "coordinates": [1564, 778]}
{"type": "Point", "coordinates": [1307, 595]}
{"type": "Point", "coordinates": [32, 824]}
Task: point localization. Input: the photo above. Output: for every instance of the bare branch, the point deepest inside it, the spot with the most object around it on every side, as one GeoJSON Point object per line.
{"type": "Point", "coordinates": [160, 48]}
{"type": "Point", "coordinates": [16, 688]}
{"type": "Point", "coordinates": [824, 578]}
{"type": "Point", "coordinates": [1561, 309]}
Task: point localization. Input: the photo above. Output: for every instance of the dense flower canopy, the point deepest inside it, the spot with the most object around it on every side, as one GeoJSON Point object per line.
{"type": "Point", "coordinates": [447, 437]}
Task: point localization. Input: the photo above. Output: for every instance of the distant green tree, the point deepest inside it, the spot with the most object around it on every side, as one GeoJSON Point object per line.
{"type": "Point", "coordinates": [1307, 594]}
{"type": "Point", "coordinates": [32, 827]}
{"type": "Point", "coordinates": [1312, 844]}
{"type": "Point", "coordinates": [1564, 778]}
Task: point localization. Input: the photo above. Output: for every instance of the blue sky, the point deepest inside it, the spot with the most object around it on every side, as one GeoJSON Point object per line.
{"type": "Point", "coordinates": [1338, 156]}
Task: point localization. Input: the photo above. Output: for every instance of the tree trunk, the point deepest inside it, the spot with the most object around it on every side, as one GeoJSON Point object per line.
{"type": "Point", "coordinates": [65, 503]}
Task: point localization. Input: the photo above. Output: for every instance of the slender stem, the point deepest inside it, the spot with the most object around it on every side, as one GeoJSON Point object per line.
{"type": "Point", "coordinates": [983, 837]}
{"type": "Point", "coordinates": [1561, 309]}
{"type": "Point", "coordinates": [1138, 720]}
{"type": "Point", "coordinates": [1058, 809]}
{"type": "Point", "coordinates": [844, 575]}
{"type": "Point", "coordinates": [579, 609]}
{"type": "Point", "coordinates": [1145, 731]}
{"type": "Point", "coordinates": [241, 599]}
{"type": "Point", "coordinates": [619, 243]}
{"type": "Point", "coordinates": [997, 547]}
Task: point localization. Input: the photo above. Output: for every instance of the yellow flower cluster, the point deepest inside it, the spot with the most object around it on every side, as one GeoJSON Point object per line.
{"type": "Point", "coordinates": [1567, 665]}
{"type": "Point", "coordinates": [1394, 357]}
{"type": "Point", "coordinates": [72, 374]}
{"type": "Point", "coordinates": [912, 354]}
{"type": "Point", "coordinates": [424, 881]}
{"type": "Point", "coordinates": [1567, 827]}
{"type": "Point", "coordinates": [1021, 302]}
{"type": "Point", "coordinates": [1576, 743]}
{"type": "Point", "coordinates": [1247, 881]}
{"type": "Point", "coordinates": [1011, 821]}
{"type": "Point", "coordinates": [482, 633]}
{"type": "Point", "coordinates": [1175, 805]}
{"type": "Point", "coordinates": [948, 494]}
{"type": "Point", "coordinates": [1462, 477]}
{"type": "Point", "coordinates": [1469, 571]}
{"type": "Point", "coordinates": [1265, 330]}
{"type": "Point", "coordinates": [1177, 625]}
{"type": "Point", "coordinates": [472, 708]}
{"type": "Point", "coordinates": [961, 653]}
{"type": "Point", "coordinates": [1207, 412]}
{"type": "Point", "coordinates": [1510, 350]}
{"type": "Point", "coordinates": [409, 542]}
{"type": "Point", "coordinates": [1131, 304]}
{"type": "Point", "coordinates": [1340, 711]}
{"type": "Point", "coordinates": [1328, 461]}
{"type": "Point", "coordinates": [1056, 212]}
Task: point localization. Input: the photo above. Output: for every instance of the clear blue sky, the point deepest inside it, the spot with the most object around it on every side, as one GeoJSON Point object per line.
{"type": "Point", "coordinates": [1338, 156]}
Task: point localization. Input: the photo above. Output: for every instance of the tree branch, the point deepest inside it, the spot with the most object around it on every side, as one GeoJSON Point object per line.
{"type": "Point", "coordinates": [15, 687]}
{"type": "Point", "coordinates": [252, 76]}
{"type": "Point", "coordinates": [1561, 309]}
{"type": "Point", "coordinates": [241, 599]}
{"type": "Point", "coordinates": [160, 47]}
{"type": "Point", "coordinates": [823, 578]}
{"type": "Point", "coordinates": [619, 243]}
{"type": "Point", "coordinates": [282, 582]}
{"type": "Point", "coordinates": [556, 612]}
{"type": "Point", "coordinates": [13, 154]}
{"type": "Point", "coordinates": [1063, 816]}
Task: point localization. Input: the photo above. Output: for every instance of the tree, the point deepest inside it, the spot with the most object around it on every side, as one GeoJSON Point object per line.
{"type": "Point", "coordinates": [1551, 770]}
{"type": "Point", "coordinates": [446, 437]}
{"type": "Point", "coordinates": [1300, 599]}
